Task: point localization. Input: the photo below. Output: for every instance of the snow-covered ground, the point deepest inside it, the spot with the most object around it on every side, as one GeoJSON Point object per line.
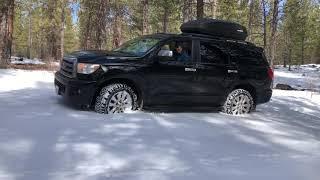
{"type": "Point", "coordinates": [305, 77]}
{"type": "Point", "coordinates": [42, 138]}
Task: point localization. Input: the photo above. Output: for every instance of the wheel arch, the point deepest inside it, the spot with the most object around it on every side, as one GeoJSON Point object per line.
{"type": "Point", "coordinates": [248, 87]}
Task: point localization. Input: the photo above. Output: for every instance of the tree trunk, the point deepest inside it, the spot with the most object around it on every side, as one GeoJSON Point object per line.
{"type": "Point", "coordinates": [10, 26]}
{"type": "Point", "coordinates": [87, 41]}
{"type": "Point", "coordinates": [284, 63]}
{"type": "Point", "coordinates": [200, 9]}
{"type": "Point", "coordinates": [302, 49]}
{"type": "Point", "coordinates": [187, 10]}
{"type": "Point", "coordinates": [315, 58]}
{"type": "Point", "coordinates": [274, 24]}
{"type": "Point", "coordinates": [63, 20]}
{"type": "Point", "coordinates": [290, 58]}
{"type": "Point", "coordinates": [264, 10]}
{"type": "Point", "coordinates": [214, 8]}
{"type": "Point", "coordinates": [165, 20]}
{"type": "Point", "coordinates": [251, 15]}
{"type": "Point", "coordinates": [101, 24]}
{"type": "Point", "coordinates": [29, 35]}
{"type": "Point", "coordinates": [52, 34]}
{"type": "Point", "coordinates": [285, 53]}
{"type": "Point", "coordinates": [3, 33]}
{"type": "Point", "coordinates": [117, 26]}
{"type": "Point", "coordinates": [145, 17]}
{"type": "Point", "coordinates": [6, 30]}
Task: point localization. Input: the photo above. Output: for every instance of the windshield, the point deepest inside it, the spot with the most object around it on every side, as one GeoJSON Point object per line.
{"type": "Point", "coordinates": [137, 47]}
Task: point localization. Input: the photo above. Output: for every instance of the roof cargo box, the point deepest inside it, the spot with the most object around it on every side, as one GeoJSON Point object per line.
{"type": "Point", "coordinates": [217, 28]}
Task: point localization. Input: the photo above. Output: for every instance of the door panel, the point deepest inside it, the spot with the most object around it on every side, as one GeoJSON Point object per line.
{"type": "Point", "coordinates": [212, 73]}
{"type": "Point", "coordinates": [172, 80]}
{"type": "Point", "coordinates": [173, 84]}
{"type": "Point", "coordinates": [211, 83]}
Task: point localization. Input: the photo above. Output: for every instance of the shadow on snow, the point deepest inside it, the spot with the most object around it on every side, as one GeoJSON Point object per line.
{"type": "Point", "coordinates": [42, 138]}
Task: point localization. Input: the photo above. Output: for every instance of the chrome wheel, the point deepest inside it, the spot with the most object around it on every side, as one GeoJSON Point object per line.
{"type": "Point", "coordinates": [120, 102]}
{"type": "Point", "coordinates": [239, 102]}
{"type": "Point", "coordinates": [241, 105]}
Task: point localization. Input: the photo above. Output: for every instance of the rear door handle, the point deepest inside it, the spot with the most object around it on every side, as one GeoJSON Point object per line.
{"type": "Point", "coordinates": [232, 71]}
{"type": "Point", "coordinates": [190, 69]}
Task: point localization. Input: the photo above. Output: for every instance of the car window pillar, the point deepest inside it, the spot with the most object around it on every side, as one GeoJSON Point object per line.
{"type": "Point", "coordinates": [196, 51]}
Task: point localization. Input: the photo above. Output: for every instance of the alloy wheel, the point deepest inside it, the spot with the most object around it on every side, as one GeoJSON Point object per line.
{"type": "Point", "coordinates": [241, 105]}
{"type": "Point", "coordinates": [120, 102]}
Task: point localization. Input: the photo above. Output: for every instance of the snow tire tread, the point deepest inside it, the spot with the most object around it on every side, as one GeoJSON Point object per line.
{"type": "Point", "coordinates": [107, 92]}
{"type": "Point", "coordinates": [237, 92]}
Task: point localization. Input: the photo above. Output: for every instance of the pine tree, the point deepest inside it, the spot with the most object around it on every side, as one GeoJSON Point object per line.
{"type": "Point", "coordinates": [299, 22]}
{"type": "Point", "coordinates": [288, 30]}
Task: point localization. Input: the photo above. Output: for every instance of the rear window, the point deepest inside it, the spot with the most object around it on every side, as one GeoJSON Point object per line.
{"type": "Point", "coordinates": [211, 53]}
{"type": "Point", "coordinates": [247, 55]}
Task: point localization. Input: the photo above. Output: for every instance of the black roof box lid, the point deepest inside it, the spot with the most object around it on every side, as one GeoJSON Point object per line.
{"type": "Point", "coordinates": [216, 27]}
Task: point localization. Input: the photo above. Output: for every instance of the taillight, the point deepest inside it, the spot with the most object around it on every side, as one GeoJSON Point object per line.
{"type": "Point", "coordinates": [270, 73]}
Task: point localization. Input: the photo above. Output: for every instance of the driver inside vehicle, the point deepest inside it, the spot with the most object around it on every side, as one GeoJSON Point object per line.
{"type": "Point", "coordinates": [180, 53]}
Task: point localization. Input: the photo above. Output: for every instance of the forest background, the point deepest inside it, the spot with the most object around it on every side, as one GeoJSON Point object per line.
{"type": "Point", "coordinates": [288, 30]}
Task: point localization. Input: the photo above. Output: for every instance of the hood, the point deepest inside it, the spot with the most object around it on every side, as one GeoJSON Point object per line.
{"type": "Point", "coordinates": [100, 57]}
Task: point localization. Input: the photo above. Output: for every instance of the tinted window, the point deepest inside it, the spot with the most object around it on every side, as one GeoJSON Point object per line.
{"type": "Point", "coordinates": [247, 55]}
{"type": "Point", "coordinates": [211, 53]}
{"type": "Point", "coordinates": [137, 47]}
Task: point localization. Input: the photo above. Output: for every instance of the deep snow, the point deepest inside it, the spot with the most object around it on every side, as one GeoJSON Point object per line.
{"type": "Point", "coordinates": [43, 138]}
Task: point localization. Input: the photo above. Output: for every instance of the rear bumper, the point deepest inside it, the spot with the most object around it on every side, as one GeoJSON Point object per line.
{"type": "Point", "coordinates": [264, 96]}
{"type": "Point", "coordinates": [78, 92]}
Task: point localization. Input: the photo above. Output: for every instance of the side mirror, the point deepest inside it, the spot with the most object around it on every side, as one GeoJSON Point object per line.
{"type": "Point", "coordinates": [165, 53]}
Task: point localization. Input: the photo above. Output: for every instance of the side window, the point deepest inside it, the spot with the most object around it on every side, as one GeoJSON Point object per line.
{"type": "Point", "coordinates": [211, 53]}
{"type": "Point", "coordinates": [177, 50]}
{"type": "Point", "coordinates": [245, 55]}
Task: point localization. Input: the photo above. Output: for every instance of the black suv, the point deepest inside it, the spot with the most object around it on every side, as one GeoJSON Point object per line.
{"type": "Point", "coordinates": [188, 69]}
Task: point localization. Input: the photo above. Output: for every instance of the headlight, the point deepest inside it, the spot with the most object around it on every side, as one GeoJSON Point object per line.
{"type": "Point", "coordinates": [84, 68]}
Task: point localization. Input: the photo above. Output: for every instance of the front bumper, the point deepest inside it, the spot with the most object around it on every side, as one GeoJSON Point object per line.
{"type": "Point", "coordinates": [78, 92]}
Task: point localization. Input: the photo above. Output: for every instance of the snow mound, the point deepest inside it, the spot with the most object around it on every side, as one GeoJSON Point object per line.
{"type": "Point", "coordinates": [26, 61]}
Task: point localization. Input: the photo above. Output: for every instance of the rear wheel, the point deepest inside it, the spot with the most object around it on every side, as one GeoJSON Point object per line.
{"type": "Point", "coordinates": [239, 102]}
{"type": "Point", "coordinates": [116, 98]}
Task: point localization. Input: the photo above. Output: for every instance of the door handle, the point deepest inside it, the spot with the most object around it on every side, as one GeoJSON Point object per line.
{"type": "Point", "coordinates": [190, 69]}
{"type": "Point", "coordinates": [232, 71]}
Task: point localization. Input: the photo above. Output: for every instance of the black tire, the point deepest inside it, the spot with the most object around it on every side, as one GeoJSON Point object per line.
{"type": "Point", "coordinates": [106, 93]}
{"type": "Point", "coordinates": [231, 106]}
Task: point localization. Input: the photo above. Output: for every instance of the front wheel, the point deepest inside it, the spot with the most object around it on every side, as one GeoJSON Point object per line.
{"type": "Point", "coordinates": [239, 102]}
{"type": "Point", "coordinates": [116, 98]}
